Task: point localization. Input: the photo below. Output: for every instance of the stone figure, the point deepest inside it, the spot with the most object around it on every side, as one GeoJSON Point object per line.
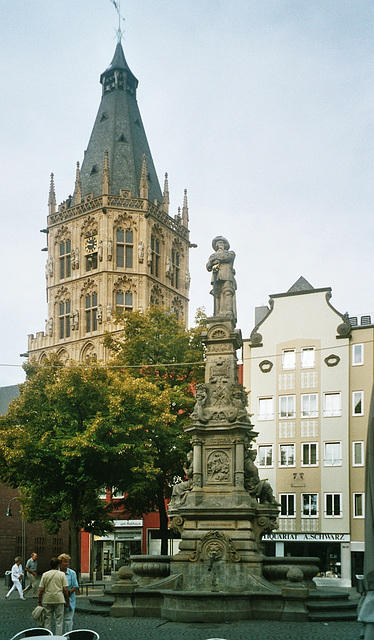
{"type": "Point", "coordinates": [50, 266]}
{"type": "Point", "coordinates": [76, 319]}
{"type": "Point", "coordinates": [200, 414]}
{"type": "Point", "coordinates": [141, 251]}
{"type": "Point", "coordinates": [109, 312]}
{"type": "Point", "coordinates": [187, 279]}
{"type": "Point", "coordinates": [100, 251]}
{"type": "Point", "coordinates": [259, 489]}
{"type": "Point", "coordinates": [76, 258]}
{"type": "Point", "coordinates": [221, 263]}
{"type": "Point", "coordinates": [50, 327]}
{"type": "Point", "coordinates": [99, 313]}
{"type": "Point", "coordinates": [239, 401]}
{"type": "Point", "coordinates": [149, 255]}
{"type": "Point", "coordinates": [181, 489]}
{"type": "Point", "coordinates": [110, 249]}
{"type": "Point", "coordinates": [218, 466]}
{"type": "Point", "coordinates": [168, 267]}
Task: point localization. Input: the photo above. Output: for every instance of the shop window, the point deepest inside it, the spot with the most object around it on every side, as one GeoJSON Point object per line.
{"type": "Point", "coordinates": [309, 454]}
{"type": "Point", "coordinates": [287, 455]}
{"type": "Point", "coordinates": [288, 505]}
{"type": "Point", "coordinates": [332, 404]}
{"type": "Point", "coordinates": [333, 454]}
{"type": "Point", "coordinates": [287, 406]}
{"type": "Point", "coordinates": [333, 507]}
{"type": "Point", "coordinates": [308, 357]}
{"type": "Point", "coordinates": [288, 358]}
{"type": "Point", "coordinates": [358, 403]}
{"type": "Point", "coordinates": [309, 505]}
{"type": "Point", "coordinates": [265, 408]}
{"type": "Point", "coordinates": [358, 454]}
{"type": "Point", "coordinates": [358, 505]}
{"type": "Point", "coordinates": [357, 354]}
{"type": "Point", "coordinates": [309, 405]}
{"type": "Point", "coordinates": [265, 455]}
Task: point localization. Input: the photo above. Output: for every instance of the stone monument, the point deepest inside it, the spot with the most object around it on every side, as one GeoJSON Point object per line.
{"type": "Point", "coordinates": [223, 508]}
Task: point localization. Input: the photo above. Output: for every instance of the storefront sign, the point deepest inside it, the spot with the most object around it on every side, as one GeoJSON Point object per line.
{"type": "Point", "coordinates": [128, 523]}
{"type": "Point", "coordinates": [307, 537]}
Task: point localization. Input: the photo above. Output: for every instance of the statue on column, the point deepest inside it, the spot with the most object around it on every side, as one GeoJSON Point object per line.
{"type": "Point", "coordinates": [221, 264]}
{"type": "Point", "coordinates": [260, 490]}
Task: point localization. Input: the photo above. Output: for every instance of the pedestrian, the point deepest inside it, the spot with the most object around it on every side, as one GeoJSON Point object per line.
{"type": "Point", "coordinates": [16, 575]}
{"type": "Point", "coordinates": [53, 596]}
{"type": "Point", "coordinates": [31, 569]}
{"type": "Point", "coordinates": [73, 588]}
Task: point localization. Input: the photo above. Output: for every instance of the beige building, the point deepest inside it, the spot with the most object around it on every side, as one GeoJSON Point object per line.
{"type": "Point", "coordinates": [310, 372]}
{"type": "Point", "coordinates": [112, 245]}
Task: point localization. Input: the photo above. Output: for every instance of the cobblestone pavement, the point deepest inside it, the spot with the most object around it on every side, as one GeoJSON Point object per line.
{"type": "Point", "coordinates": [15, 615]}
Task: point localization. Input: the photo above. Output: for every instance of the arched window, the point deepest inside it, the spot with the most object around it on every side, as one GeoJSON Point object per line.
{"type": "Point", "coordinates": [64, 319]}
{"type": "Point", "coordinates": [124, 248]}
{"type": "Point", "coordinates": [175, 272]}
{"type": "Point", "coordinates": [91, 312]}
{"type": "Point", "coordinates": [65, 259]}
{"type": "Point", "coordinates": [155, 256]}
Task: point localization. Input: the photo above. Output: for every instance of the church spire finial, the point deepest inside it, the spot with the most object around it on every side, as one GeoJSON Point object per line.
{"type": "Point", "coordinates": [144, 187]}
{"type": "Point", "coordinates": [165, 195]}
{"type": "Point", "coordinates": [185, 218]}
{"type": "Point", "coordinates": [78, 186]}
{"type": "Point", "coordinates": [52, 196]}
{"type": "Point", "coordinates": [117, 6]}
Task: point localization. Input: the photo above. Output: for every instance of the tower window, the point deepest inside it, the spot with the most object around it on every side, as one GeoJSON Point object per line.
{"type": "Point", "coordinates": [91, 312]}
{"type": "Point", "coordinates": [124, 248]}
{"type": "Point", "coordinates": [124, 302]}
{"type": "Point", "coordinates": [65, 259]}
{"type": "Point", "coordinates": [175, 269]}
{"type": "Point", "coordinates": [64, 319]}
{"type": "Point", "coordinates": [155, 256]}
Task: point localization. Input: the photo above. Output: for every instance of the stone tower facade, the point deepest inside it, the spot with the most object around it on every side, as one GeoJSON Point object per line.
{"type": "Point", "coordinates": [112, 245]}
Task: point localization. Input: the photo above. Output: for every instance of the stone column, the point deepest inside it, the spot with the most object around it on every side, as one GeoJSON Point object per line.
{"type": "Point", "coordinates": [239, 464]}
{"type": "Point", "coordinates": [197, 463]}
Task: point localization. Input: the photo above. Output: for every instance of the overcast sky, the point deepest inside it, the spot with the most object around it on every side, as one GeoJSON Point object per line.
{"type": "Point", "coordinates": [262, 109]}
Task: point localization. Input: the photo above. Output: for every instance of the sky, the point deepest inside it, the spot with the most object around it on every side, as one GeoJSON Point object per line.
{"type": "Point", "coordinates": [261, 109]}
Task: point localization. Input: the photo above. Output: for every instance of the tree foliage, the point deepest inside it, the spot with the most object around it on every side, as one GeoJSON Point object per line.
{"type": "Point", "coordinates": [74, 429]}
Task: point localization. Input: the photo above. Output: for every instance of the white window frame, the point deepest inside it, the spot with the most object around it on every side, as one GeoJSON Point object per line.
{"type": "Point", "coordinates": [355, 402]}
{"type": "Point", "coordinates": [288, 446]}
{"type": "Point", "coordinates": [287, 497]}
{"type": "Point", "coordinates": [354, 498]}
{"type": "Point", "coordinates": [336, 460]}
{"type": "Point", "coordinates": [362, 454]}
{"type": "Point", "coordinates": [333, 497]}
{"type": "Point", "coordinates": [309, 445]}
{"type": "Point", "coordinates": [357, 359]}
{"type": "Point", "coordinates": [332, 412]}
{"type": "Point", "coordinates": [288, 359]}
{"type": "Point", "coordinates": [308, 515]}
{"type": "Point", "coordinates": [304, 357]}
{"type": "Point", "coordinates": [290, 414]}
{"type": "Point", "coordinates": [268, 413]}
{"type": "Point", "coordinates": [308, 413]}
{"type": "Point", "coordinates": [268, 448]}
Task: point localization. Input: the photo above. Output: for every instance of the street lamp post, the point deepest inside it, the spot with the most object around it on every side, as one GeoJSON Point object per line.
{"type": "Point", "coordinates": [23, 534]}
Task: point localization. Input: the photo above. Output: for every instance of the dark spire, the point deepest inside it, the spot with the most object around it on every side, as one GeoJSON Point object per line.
{"type": "Point", "coordinates": [119, 130]}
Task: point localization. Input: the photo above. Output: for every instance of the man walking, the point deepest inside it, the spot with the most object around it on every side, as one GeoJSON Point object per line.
{"type": "Point", "coordinates": [32, 573]}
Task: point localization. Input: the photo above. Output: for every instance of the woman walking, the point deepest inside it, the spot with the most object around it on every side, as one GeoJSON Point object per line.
{"type": "Point", "coordinates": [17, 573]}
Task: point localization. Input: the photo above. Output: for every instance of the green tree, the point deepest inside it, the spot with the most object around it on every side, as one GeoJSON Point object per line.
{"type": "Point", "coordinates": [156, 347]}
{"type": "Point", "coordinates": [72, 430]}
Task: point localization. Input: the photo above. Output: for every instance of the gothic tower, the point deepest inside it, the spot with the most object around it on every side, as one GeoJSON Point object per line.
{"type": "Point", "coordinates": [112, 245]}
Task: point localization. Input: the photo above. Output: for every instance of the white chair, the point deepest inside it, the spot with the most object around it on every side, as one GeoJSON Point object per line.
{"type": "Point", "coordinates": [29, 633]}
{"type": "Point", "coordinates": [82, 634]}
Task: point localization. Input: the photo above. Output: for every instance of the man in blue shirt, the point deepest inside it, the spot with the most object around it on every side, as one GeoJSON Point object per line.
{"type": "Point", "coordinates": [73, 587]}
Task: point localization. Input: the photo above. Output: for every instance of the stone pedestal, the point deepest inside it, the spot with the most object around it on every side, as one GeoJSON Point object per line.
{"type": "Point", "coordinates": [223, 510]}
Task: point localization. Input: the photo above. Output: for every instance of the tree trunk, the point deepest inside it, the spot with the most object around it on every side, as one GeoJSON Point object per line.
{"type": "Point", "coordinates": [163, 520]}
{"type": "Point", "coordinates": [74, 535]}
